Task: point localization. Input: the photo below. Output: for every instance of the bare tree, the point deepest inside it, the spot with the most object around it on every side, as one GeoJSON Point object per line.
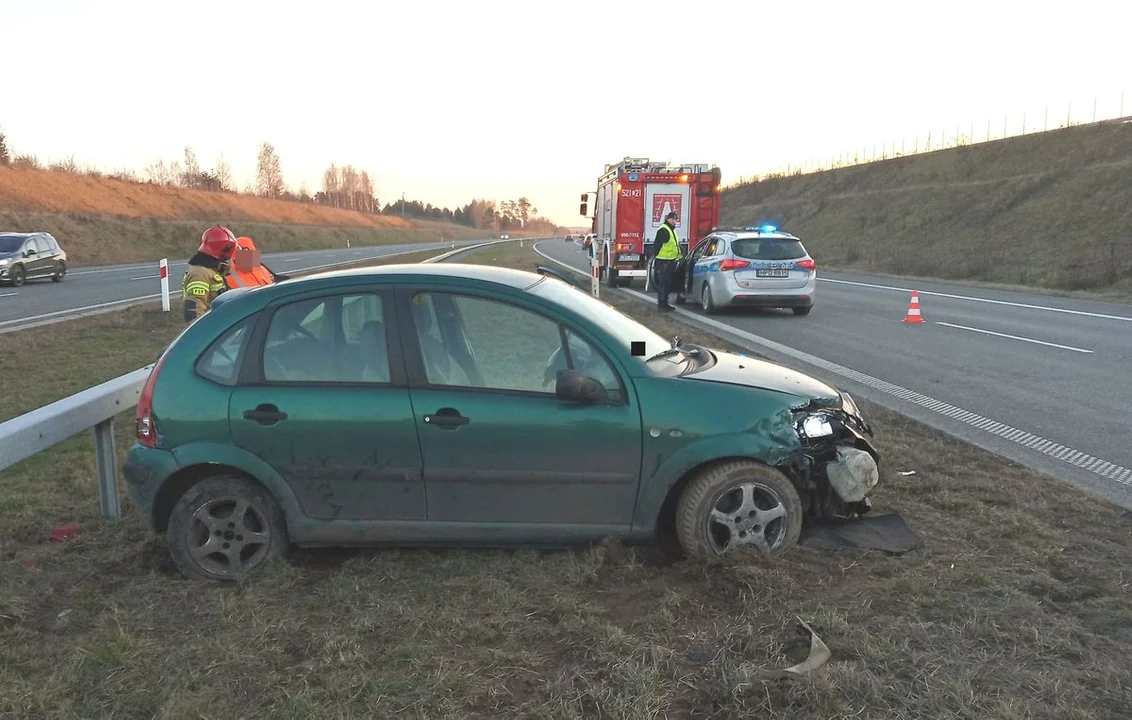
{"type": "Point", "coordinates": [349, 187]}
{"type": "Point", "coordinates": [5, 158]}
{"type": "Point", "coordinates": [190, 178]}
{"type": "Point", "coordinates": [330, 185]}
{"type": "Point", "coordinates": [224, 174]}
{"type": "Point", "coordinates": [367, 192]}
{"type": "Point", "coordinates": [269, 173]}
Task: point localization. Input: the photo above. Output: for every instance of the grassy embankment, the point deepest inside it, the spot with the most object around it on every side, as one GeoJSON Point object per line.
{"type": "Point", "coordinates": [101, 220]}
{"type": "Point", "coordinates": [1044, 211]}
{"type": "Point", "coordinates": [1018, 605]}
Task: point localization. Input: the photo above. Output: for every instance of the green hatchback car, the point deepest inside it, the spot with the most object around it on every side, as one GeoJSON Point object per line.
{"type": "Point", "coordinates": [430, 404]}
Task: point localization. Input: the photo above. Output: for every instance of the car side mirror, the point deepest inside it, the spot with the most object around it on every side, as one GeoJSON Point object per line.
{"type": "Point", "coordinates": [573, 386]}
{"type": "Point", "coordinates": [29, 252]}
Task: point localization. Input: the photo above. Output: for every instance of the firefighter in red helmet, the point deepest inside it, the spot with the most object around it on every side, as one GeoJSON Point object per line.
{"type": "Point", "coordinates": [204, 278]}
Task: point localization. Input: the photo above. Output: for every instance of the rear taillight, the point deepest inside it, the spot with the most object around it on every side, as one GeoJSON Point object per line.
{"type": "Point", "coordinates": [733, 264]}
{"type": "Point", "coordinates": [806, 264]}
{"type": "Point", "coordinates": [147, 430]}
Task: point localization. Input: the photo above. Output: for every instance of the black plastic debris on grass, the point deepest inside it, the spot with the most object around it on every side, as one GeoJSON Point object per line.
{"type": "Point", "coordinates": [889, 533]}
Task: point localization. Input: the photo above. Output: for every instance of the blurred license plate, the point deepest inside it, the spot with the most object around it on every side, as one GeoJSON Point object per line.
{"type": "Point", "coordinates": [767, 272]}
{"type": "Point", "coordinates": [629, 258]}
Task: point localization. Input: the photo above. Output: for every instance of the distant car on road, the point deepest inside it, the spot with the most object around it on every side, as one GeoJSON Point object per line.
{"type": "Point", "coordinates": [464, 404]}
{"type": "Point", "coordinates": [751, 267]}
{"type": "Point", "coordinates": [30, 256]}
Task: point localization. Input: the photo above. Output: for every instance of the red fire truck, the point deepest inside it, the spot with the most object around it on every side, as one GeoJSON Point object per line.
{"type": "Point", "coordinates": [633, 196]}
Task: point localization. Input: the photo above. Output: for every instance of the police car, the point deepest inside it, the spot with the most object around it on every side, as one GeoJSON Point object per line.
{"type": "Point", "coordinates": [751, 267]}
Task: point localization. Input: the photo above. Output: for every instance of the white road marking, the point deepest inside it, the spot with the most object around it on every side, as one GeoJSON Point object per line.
{"type": "Point", "coordinates": [9, 294]}
{"type": "Point", "coordinates": [1014, 337]}
{"type": "Point", "coordinates": [128, 268]}
{"type": "Point", "coordinates": [74, 311]}
{"type": "Point", "coordinates": [1107, 470]}
{"type": "Point", "coordinates": [294, 260]}
{"type": "Point", "coordinates": [1123, 318]}
{"type": "Point", "coordinates": [147, 277]}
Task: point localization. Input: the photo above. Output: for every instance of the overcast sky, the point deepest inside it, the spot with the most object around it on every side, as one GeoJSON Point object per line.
{"type": "Point", "coordinates": [450, 101]}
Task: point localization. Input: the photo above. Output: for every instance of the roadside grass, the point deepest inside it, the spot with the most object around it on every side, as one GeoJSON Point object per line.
{"type": "Point", "coordinates": [91, 239]}
{"type": "Point", "coordinates": [1016, 606]}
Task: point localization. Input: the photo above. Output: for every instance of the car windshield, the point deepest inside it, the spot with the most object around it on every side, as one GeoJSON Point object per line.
{"type": "Point", "coordinates": [614, 322]}
{"type": "Point", "coordinates": [768, 249]}
{"type": "Point", "coordinates": [10, 243]}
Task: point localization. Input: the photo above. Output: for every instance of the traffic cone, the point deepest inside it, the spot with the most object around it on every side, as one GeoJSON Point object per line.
{"type": "Point", "coordinates": [913, 315]}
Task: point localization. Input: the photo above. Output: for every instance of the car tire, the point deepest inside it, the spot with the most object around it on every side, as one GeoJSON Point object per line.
{"type": "Point", "coordinates": [716, 513]}
{"type": "Point", "coordinates": [706, 301]}
{"type": "Point", "coordinates": [188, 533]}
{"type": "Point", "coordinates": [60, 273]}
{"type": "Point", "coordinates": [803, 310]}
{"type": "Point", "coordinates": [17, 276]}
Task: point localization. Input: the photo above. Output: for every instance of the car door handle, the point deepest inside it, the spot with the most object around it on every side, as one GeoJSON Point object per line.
{"type": "Point", "coordinates": [446, 417]}
{"type": "Point", "coordinates": [265, 414]}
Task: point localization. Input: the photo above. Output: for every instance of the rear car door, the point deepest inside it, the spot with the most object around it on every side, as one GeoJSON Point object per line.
{"type": "Point", "coordinates": [498, 445]}
{"type": "Point", "coordinates": [325, 403]}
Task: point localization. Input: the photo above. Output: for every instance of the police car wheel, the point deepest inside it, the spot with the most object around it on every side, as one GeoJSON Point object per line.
{"type": "Point", "coordinates": [706, 302]}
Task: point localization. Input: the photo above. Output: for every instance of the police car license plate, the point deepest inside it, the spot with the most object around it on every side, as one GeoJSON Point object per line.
{"type": "Point", "coordinates": [772, 273]}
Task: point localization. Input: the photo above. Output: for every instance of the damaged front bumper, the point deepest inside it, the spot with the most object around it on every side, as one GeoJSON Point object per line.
{"type": "Point", "coordinates": [838, 466]}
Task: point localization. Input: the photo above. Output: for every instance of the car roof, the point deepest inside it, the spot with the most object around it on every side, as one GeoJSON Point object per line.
{"type": "Point", "coordinates": [20, 234]}
{"type": "Point", "coordinates": [746, 234]}
{"type": "Point", "coordinates": [408, 273]}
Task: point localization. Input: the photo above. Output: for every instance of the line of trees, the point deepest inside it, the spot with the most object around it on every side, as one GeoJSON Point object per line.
{"type": "Point", "coordinates": [344, 187]}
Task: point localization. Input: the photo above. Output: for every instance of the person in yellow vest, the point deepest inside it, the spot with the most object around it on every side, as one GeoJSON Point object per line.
{"type": "Point", "coordinates": [204, 277]}
{"type": "Point", "coordinates": [667, 255]}
{"type": "Point", "coordinates": [247, 268]}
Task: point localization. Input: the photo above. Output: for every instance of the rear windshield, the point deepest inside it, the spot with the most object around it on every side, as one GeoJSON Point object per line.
{"type": "Point", "coordinates": [11, 243]}
{"type": "Point", "coordinates": [768, 249]}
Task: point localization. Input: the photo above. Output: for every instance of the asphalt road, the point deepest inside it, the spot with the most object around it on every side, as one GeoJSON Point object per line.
{"type": "Point", "coordinates": [93, 289]}
{"type": "Point", "coordinates": [1044, 381]}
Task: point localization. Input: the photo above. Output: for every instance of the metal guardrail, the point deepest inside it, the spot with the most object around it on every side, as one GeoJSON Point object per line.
{"type": "Point", "coordinates": [96, 407]}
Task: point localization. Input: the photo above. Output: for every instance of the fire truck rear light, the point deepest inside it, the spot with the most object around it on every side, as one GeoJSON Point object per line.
{"type": "Point", "coordinates": [733, 264]}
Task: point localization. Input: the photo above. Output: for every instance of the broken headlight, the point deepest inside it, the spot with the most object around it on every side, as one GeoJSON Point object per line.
{"type": "Point", "coordinates": [816, 426]}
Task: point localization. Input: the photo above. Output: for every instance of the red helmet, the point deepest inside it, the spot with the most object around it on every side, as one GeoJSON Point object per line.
{"type": "Point", "coordinates": [218, 242]}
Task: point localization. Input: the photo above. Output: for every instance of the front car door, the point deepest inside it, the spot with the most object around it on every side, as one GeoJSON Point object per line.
{"type": "Point", "coordinates": [498, 445]}
{"type": "Point", "coordinates": [37, 258]}
{"type": "Point", "coordinates": [698, 265]}
{"type": "Point", "coordinates": [323, 400]}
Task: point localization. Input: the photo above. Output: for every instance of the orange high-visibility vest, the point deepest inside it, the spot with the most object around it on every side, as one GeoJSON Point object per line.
{"type": "Point", "coordinates": [258, 276]}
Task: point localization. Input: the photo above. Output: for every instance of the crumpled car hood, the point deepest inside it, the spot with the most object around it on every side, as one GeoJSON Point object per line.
{"type": "Point", "coordinates": [750, 372]}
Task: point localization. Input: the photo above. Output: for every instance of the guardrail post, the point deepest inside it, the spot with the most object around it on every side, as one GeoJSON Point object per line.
{"type": "Point", "coordinates": [107, 469]}
{"type": "Point", "coordinates": [165, 284]}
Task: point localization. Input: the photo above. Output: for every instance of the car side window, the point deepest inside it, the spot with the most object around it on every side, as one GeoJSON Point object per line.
{"type": "Point", "coordinates": [703, 250]}
{"type": "Point", "coordinates": [474, 342]}
{"type": "Point", "coordinates": [589, 361]}
{"type": "Point", "coordinates": [221, 361]}
{"type": "Point", "coordinates": [338, 339]}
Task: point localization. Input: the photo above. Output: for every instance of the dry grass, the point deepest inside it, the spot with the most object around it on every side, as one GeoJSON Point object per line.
{"type": "Point", "coordinates": [1046, 210]}
{"type": "Point", "coordinates": [71, 193]}
{"type": "Point", "coordinates": [1017, 606]}
{"type": "Point", "coordinates": [100, 220]}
